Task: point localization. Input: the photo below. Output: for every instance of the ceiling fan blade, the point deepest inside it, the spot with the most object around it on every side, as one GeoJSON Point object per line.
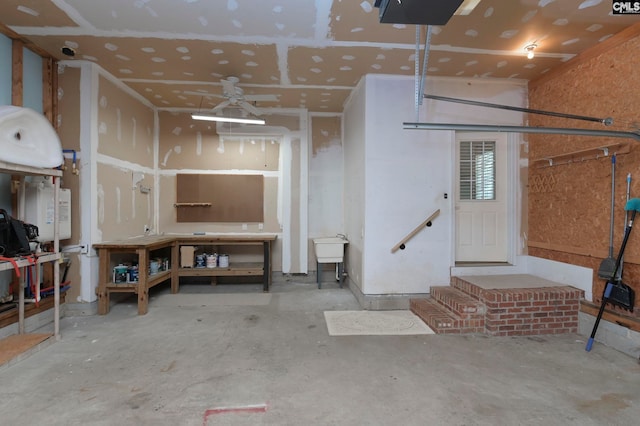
{"type": "Point", "coordinates": [261, 98]}
{"type": "Point", "coordinates": [220, 106]}
{"type": "Point", "coordinates": [253, 110]}
{"type": "Point", "coordinates": [205, 94]}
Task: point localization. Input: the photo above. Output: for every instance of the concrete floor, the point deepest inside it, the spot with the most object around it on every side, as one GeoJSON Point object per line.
{"type": "Point", "coordinates": [193, 365]}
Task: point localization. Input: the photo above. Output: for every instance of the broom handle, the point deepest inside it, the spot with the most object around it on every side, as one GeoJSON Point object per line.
{"type": "Point", "coordinates": [609, 285]}
{"type": "Point", "coordinates": [613, 202]}
{"type": "Point", "coordinates": [626, 217]}
{"type": "Point", "coordinates": [624, 244]}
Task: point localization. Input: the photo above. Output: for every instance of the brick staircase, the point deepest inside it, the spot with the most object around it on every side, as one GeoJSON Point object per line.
{"type": "Point", "coordinates": [465, 307]}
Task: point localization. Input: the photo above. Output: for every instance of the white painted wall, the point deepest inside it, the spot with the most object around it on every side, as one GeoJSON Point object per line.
{"type": "Point", "coordinates": [353, 145]}
{"type": "Point", "coordinates": [326, 177]}
{"type": "Point", "coordinates": [406, 174]}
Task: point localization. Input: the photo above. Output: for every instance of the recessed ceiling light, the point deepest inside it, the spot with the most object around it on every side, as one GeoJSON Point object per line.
{"type": "Point", "coordinates": [529, 49]}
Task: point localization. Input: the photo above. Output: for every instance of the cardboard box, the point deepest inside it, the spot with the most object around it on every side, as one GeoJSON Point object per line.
{"type": "Point", "coordinates": [186, 256]}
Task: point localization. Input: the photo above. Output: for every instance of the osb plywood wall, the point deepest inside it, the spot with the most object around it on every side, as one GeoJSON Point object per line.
{"type": "Point", "coordinates": [569, 204]}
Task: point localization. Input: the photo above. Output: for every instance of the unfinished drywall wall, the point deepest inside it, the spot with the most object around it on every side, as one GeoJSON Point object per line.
{"type": "Point", "coordinates": [123, 211]}
{"type": "Point", "coordinates": [187, 144]}
{"type": "Point", "coordinates": [125, 148]}
{"type": "Point", "coordinates": [191, 146]}
{"type": "Point", "coordinates": [125, 125]}
{"type": "Point", "coordinates": [569, 203]}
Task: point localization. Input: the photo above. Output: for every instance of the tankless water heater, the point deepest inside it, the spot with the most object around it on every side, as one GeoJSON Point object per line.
{"type": "Point", "coordinates": [39, 209]}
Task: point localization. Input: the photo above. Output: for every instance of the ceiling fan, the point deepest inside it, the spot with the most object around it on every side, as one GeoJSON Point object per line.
{"type": "Point", "coordinates": [234, 96]}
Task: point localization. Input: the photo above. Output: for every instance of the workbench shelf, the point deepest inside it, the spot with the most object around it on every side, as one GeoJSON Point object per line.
{"type": "Point", "coordinates": [234, 269]}
{"type": "Point", "coordinates": [216, 244]}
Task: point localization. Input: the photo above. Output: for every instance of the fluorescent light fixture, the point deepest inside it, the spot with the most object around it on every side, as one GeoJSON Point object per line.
{"type": "Point", "coordinates": [467, 7]}
{"type": "Point", "coordinates": [227, 119]}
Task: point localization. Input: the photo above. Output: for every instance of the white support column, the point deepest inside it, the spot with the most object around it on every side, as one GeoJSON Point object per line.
{"type": "Point", "coordinates": [88, 182]}
{"type": "Point", "coordinates": [285, 197]}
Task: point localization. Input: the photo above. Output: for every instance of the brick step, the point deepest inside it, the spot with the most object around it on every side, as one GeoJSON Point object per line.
{"type": "Point", "coordinates": [460, 303]}
{"type": "Point", "coordinates": [466, 287]}
{"type": "Point", "coordinates": [443, 321]}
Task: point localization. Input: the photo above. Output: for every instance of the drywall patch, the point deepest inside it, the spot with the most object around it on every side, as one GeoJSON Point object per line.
{"type": "Point", "coordinates": [232, 5]}
{"type": "Point", "coordinates": [133, 203]}
{"type": "Point", "coordinates": [118, 205]}
{"type": "Point", "coordinates": [118, 124]}
{"type": "Point", "coordinates": [28, 11]}
{"type": "Point", "coordinates": [529, 16]}
{"type": "Point", "coordinates": [135, 127]}
{"type": "Point", "coordinates": [199, 143]}
{"type": "Point", "coordinates": [589, 3]}
{"type": "Point", "coordinates": [176, 149]}
{"type": "Point", "coordinates": [100, 204]}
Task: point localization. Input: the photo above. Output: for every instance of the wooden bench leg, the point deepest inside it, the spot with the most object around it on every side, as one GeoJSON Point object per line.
{"type": "Point", "coordinates": [103, 278]}
{"type": "Point", "coordinates": [103, 301]}
{"type": "Point", "coordinates": [143, 299]}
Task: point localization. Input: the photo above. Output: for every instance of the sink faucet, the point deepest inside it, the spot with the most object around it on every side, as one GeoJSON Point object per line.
{"type": "Point", "coordinates": [344, 237]}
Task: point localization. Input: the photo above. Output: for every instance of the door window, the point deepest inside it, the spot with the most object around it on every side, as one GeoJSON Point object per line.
{"type": "Point", "coordinates": [477, 170]}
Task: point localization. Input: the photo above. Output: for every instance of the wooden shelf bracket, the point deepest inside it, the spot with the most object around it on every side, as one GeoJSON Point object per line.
{"type": "Point", "coordinates": [583, 155]}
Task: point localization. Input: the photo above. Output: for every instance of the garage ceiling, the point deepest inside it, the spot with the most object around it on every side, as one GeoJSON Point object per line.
{"type": "Point", "coordinates": [311, 53]}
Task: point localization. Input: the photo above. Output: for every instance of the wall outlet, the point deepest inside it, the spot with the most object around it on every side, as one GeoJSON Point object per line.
{"type": "Point", "coordinates": [84, 249]}
{"type": "Point", "coordinates": [146, 229]}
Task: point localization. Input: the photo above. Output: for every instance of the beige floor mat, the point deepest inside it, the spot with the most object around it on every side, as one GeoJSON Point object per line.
{"type": "Point", "coordinates": [374, 323]}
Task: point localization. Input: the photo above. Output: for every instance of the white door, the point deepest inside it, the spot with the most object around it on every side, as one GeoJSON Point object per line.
{"type": "Point", "coordinates": [481, 201]}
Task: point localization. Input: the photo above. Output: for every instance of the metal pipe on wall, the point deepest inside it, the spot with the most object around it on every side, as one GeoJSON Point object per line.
{"type": "Point", "coordinates": [520, 129]}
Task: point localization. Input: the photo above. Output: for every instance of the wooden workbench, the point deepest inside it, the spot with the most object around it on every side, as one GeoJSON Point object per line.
{"type": "Point", "coordinates": [142, 248]}
{"type": "Point", "coordinates": [235, 268]}
{"type": "Point", "coordinates": [147, 247]}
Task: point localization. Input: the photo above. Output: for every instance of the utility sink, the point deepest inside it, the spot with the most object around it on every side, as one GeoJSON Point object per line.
{"type": "Point", "coordinates": [329, 249]}
{"type": "Point", "coordinates": [27, 138]}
